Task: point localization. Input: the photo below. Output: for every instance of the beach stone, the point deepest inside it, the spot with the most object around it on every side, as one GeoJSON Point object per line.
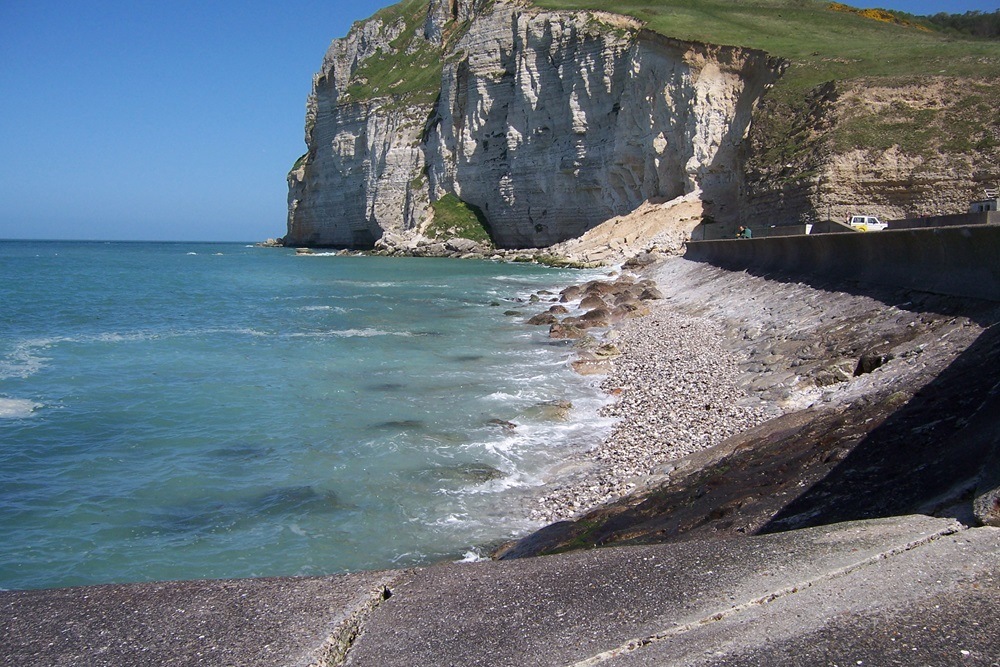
{"type": "Point", "coordinates": [625, 297]}
{"type": "Point", "coordinates": [565, 331]}
{"type": "Point", "coordinates": [461, 245]}
{"type": "Point", "coordinates": [642, 259]}
{"type": "Point", "coordinates": [651, 293]}
{"type": "Point", "coordinates": [629, 310]}
{"type": "Point", "coordinates": [591, 366]}
{"type": "Point", "coordinates": [598, 288]}
{"type": "Point", "coordinates": [598, 317]}
{"type": "Point", "coordinates": [558, 310]}
{"type": "Point", "coordinates": [868, 362]}
{"type": "Point", "coordinates": [592, 301]}
{"type": "Point", "coordinates": [608, 350]}
{"type": "Point", "coordinates": [571, 293]}
{"type": "Point", "coordinates": [542, 318]}
{"type": "Point", "coordinates": [551, 410]}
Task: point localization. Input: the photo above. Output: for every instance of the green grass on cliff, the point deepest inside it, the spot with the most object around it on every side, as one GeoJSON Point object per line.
{"type": "Point", "coordinates": [826, 42]}
{"type": "Point", "coordinates": [454, 218]}
{"type": "Point", "coordinates": [409, 69]}
{"type": "Point", "coordinates": [821, 43]}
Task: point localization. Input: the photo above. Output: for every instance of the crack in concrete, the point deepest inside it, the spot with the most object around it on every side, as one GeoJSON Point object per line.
{"type": "Point", "coordinates": [639, 643]}
{"type": "Point", "coordinates": [333, 652]}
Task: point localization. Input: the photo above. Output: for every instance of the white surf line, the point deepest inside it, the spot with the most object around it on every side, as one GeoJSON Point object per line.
{"type": "Point", "coordinates": [636, 644]}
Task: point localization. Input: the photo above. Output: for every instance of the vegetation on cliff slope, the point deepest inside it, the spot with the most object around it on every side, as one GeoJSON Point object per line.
{"type": "Point", "coordinates": [409, 69]}
{"type": "Point", "coordinates": [822, 41]}
{"type": "Point", "coordinates": [454, 218]}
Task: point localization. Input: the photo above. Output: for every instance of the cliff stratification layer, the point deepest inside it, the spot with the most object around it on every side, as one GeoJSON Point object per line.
{"type": "Point", "coordinates": [548, 122]}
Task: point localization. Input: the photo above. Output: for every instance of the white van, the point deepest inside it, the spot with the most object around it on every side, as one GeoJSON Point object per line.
{"type": "Point", "coordinates": [866, 223]}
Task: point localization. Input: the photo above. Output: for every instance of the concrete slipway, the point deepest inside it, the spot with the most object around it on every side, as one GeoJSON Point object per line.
{"type": "Point", "coordinates": [903, 590]}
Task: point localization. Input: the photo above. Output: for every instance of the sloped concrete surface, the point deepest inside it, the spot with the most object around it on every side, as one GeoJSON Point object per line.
{"type": "Point", "coordinates": [935, 604]}
{"type": "Point", "coordinates": [912, 590]}
{"type": "Point", "coordinates": [628, 604]}
{"type": "Point", "coordinates": [248, 622]}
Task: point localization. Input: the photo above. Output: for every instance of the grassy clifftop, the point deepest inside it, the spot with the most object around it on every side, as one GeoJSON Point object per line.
{"type": "Point", "coordinates": [834, 42]}
{"type": "Point", "coordinates": [823, 40]}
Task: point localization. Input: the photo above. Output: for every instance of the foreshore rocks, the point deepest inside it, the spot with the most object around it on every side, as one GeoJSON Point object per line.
{"type": "Point", "coordinates": [748, 404]}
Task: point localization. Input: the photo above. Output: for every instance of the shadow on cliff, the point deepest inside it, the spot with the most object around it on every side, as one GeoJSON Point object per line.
{"type": "Point", "coordinates": [919, 450]}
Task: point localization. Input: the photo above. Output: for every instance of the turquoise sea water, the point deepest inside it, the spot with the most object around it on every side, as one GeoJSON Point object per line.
{"type": "Point", "coordinates": [180, 411]}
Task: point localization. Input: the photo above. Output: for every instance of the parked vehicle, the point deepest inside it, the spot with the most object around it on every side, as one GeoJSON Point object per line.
{"type": "Point", "coordinates": [866, 223]}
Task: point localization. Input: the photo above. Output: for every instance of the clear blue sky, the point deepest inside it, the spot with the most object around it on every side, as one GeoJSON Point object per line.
{"type": "Point", "coordinates": [174, 119]}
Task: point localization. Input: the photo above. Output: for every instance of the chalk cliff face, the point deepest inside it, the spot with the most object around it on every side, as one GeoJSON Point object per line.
{"type": "Point", "coordinates": [549, 122]}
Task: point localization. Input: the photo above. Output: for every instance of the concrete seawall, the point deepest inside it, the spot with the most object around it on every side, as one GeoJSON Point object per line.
{"type": "Point", "coordinates": [957, 261]}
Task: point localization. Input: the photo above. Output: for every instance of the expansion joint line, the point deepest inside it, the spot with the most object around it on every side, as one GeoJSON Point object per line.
{"type": "Point", "coordinates": [333, 652]}
{"type": "Point", "coordinates": [636, 644]}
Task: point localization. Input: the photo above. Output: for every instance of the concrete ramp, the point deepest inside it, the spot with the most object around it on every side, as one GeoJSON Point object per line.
{"type": "Point", "coordinates": [853, 593]}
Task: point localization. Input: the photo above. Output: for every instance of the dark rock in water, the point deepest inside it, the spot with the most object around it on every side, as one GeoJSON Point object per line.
{"type": "Point", "coordinates": [542, 318]}
{"type": "Point", "coordinates": [534, 298]}
{"type": "Point", "coordinates": [512, 313]}
{"type": "Point", "coordinates": [550, 410]}
{"type": "Point", "coordinates": [459, 474]}
{"type": "Point", "coordinates": [467, 358]}
{"type": "Point", "coordinates": [244, 453]}
{"type": "Point", "coordinates": [387, 386]}
{"type": "Point", "coordinates": [502, 423]}
{"type": "Point", "coordinates": [558, 310]}
{"type": "Point", "coordinates": [295, 499]}
{"type": "Point", "coordinates": [402, 424]}
{"type": "Point", "coordinates": [208, 514]}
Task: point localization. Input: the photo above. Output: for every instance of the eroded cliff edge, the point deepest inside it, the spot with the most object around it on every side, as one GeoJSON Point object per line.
{"type": "Point", "coordinates": [548, 123]}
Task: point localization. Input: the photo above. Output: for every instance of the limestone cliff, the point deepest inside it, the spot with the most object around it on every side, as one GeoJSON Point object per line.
{"type": "Point", "coordinates": [895, 148]}
{"type": "Point", "coordinates": [549, 122]}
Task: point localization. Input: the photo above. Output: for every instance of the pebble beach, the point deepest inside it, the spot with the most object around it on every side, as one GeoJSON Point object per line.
{"type": "Point", "coordinates": [721, 352]}
{"type": "Point", "coordinates": [676, 389]}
